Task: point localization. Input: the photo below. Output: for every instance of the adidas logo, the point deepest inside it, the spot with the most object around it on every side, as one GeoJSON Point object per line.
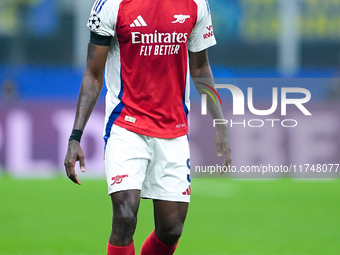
{"type": "Point", "coordinates": [187, 191]}
{"type": "Point", "coordinates": [139, 22]}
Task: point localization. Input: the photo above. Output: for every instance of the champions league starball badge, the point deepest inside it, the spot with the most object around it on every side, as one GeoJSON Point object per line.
{"type": "Point", "coordinates": [94, 22]}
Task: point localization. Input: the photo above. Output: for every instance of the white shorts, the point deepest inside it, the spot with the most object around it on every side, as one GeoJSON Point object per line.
{"type": "Point", "coordinates": [160, 168]}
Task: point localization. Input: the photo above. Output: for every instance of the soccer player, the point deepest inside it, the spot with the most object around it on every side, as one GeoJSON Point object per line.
{"type": "Point", "coordinates": [143, 45]}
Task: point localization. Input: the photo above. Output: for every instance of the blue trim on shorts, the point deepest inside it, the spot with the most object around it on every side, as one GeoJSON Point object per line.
{"type": "Point", "coordinates": [115, 113]}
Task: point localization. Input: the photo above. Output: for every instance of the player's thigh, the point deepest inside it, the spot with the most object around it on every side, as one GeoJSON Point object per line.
{"type": "Point", "coordinates": [125, 207]}
{"type": "Point", "coordinates": [169, 216]}
{"type": "Point", "coordinates": [125, 204]}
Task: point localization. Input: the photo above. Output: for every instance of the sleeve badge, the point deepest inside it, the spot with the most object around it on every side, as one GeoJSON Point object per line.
{"type": "Point", "coordinates": [94, 22]}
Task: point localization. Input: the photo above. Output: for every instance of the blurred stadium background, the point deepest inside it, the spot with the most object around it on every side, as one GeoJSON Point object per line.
{"type": "Point", "coordinates": [43, 45]}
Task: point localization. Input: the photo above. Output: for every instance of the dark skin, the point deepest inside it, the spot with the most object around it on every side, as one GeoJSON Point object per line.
{"type": "Point", "coordinates": [91, 86]}
{"type": "Point", "coordinates": [169, 216]}
{"type": "Point", "coordinates": [201, 72]}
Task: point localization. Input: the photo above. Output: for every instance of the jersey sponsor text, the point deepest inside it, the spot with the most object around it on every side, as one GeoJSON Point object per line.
{"type": "Point", "coordinates": [210, 33]}
{"type": "Point", "coordinates": [159, 39]}
{"type": "Point", "coordinates": [156, 37]}
{"type": "Point", "coordinates": [159, 50]}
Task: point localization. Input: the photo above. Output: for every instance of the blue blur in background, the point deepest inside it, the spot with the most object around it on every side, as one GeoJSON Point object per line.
{"type": "Point", "coordinates": [39, 40]}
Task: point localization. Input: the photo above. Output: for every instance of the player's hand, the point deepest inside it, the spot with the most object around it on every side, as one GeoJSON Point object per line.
{"type": "Point", "coordinates": [74, 153]}
{"type": "Point", "coordinates": [223, 146]}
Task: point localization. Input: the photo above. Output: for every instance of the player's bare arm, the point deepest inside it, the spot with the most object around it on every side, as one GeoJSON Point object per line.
{"type": "Point", "coordinates": [200, 71]}
{"type": "Point", "coordinates": [91, 86]}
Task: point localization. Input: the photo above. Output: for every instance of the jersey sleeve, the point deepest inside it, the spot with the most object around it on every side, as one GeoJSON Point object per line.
{"type": "Point", "coordinates": [202, 36]}
{"type": "Point", "coordinates": [102, 19]}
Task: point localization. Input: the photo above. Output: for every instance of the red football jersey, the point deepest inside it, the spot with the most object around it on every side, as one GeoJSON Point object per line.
{"type": "Point", "coordinates": [147, 74]}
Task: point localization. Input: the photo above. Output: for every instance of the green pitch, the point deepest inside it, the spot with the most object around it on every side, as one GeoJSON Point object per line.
{"type": "Point", "coordinates": [56, 217]}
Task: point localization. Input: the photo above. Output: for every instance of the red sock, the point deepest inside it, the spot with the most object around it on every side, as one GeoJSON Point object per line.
{"type": "Point", "coordinates": [115, 250]}
{"type": "Point", "coordinates": [153, 246]}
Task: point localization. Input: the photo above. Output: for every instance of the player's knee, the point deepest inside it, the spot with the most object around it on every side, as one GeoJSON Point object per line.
{"type": "Point", "coordinates": [170, 234]}
{"type": "Point", "coordinates": [124, 225]}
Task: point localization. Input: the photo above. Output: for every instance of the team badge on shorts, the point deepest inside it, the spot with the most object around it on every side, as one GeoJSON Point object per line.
{"type": "Point", "coordinates": [118, 179]}
{"type": "Point", "coordinates": [94, 22]}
